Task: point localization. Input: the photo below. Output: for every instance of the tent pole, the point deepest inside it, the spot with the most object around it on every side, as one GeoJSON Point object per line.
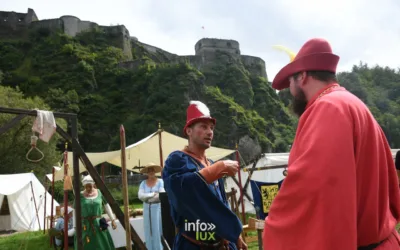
{"type": "Point", "coordinates": [99, 183]}
{"type": "Point", "coordinates": [66, 219]}
{"type": "Point", "coordinates": [249, 177]}
{"type": "Point", "coordinates": [77, 182]}
{"type": "Point", "coordinates": [265, 168]}
{"type": "Point", "coordinates": [34, 201]}
{"type": "Point", "coordinates": [240, 185]}
{"type": "Point", "coordinates": [52, 204]}
{"type": "Point", "coordinates": [160, 145]}
{"type": "Point", "coordinates": [125, 189]}
{"type": "Point", "coordinates": [45, 192]}
{"type": "Point", "coordinates": [102, 171]}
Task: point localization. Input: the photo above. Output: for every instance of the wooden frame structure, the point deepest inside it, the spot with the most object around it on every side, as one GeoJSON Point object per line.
{"type": "Point", "coordinates": [78, 153]}
{"type": "Point", "coordinates": [235, 204]}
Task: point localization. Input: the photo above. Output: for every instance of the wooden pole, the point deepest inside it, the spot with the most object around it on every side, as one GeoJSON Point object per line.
{"type": "Point", "coordinates": [100, 185]}
{"type": "Point", "coordinates": [45, 195]}
{"type": "Point", "coordinates": [77, 182]}
{"type": "Point", "coordinates": [102, 172]}
{"type": "Point", "coordinates": [160, 145]}
{"type": "Point", "coordinates": [259, 231]}
{"type": "Point", "coordinates": [125, 189]}
{"type": "Point", "coordinates": [66, 198]}
{"type": "Point", "coordinates": [52, 204]}
{"type": "Point", "coordinates": [240, 186]}
{"type": "Point", "coordinates": [264, 168]}
{"type": "Point", "coordinates": [34, 201]}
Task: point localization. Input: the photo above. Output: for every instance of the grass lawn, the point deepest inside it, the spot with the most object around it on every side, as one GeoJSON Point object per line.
{"type": "Point", "coordinates": [38, 240]}
{"type": "Point", "coordinates": [30, 240]}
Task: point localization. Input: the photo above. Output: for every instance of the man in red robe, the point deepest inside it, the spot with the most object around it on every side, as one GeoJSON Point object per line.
{"type": "Point", "coordinates": [397, 163]}
{"type": "Point", "coordinates": [341, 191]}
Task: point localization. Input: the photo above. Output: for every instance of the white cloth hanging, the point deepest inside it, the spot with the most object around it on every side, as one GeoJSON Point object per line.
{"type": "Point", "coordinates": [45, 125]}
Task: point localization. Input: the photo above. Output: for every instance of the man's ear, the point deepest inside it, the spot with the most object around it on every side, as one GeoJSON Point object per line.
{"type": "Point", "coordinates": [189, 131]}
{"type": "Point", "coordinates": [302, 78]}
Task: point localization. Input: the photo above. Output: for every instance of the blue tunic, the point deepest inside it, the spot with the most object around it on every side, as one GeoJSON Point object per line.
{"type": "Point", "coordinates": [152, 214]}
{"type": "Point", "coordinates": [60, 227]}
{"type": "Point", "coordinates": [193, 201]}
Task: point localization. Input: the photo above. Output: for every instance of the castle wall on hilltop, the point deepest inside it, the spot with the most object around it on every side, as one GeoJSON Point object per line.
{"type": "Point", "coordinates": [15, 19]}
{"type": "Point", "coordinates": [14, 24]}
{"type": "Point", "coordinates": [254, 65]}
{"type": "Point", "coordinates": [205, 53]}
{"type": "Point", "coordinates": [211, 45]}
{"type": "Point", "coordinates": [121, 38]}
{"type": "Point", "coordinates": [17, 25]}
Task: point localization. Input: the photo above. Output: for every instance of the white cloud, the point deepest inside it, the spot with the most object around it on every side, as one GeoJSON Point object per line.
{"type": "Point", "coordinates": [358, 30]}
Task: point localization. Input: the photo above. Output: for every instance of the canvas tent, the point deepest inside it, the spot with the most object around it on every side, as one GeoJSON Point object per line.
{"type": "Point", "coordinates": [143, 152]}
{"type": "Point", "coordinates": [270, 175]}
{"type": "Point", "coordinates": [17, 205]}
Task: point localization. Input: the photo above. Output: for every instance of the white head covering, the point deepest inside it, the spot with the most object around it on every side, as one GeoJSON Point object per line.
{"type": "Point", "coordinates": [70, 209]}
{"type": "Point", "coordinates": [87, 180]}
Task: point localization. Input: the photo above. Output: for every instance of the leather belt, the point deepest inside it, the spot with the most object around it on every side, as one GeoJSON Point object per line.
{"type": "Point", "coordinates": [91, 219]}
{"type": "Point", "coordinates": [155, 202]}
{"type": "Point", "coordinates": [222, 244]}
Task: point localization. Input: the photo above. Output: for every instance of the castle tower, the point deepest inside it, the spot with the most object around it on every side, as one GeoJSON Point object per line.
{"type": "Point", "coordinates": [210, 45]}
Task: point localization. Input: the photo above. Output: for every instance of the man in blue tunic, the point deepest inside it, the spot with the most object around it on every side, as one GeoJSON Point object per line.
{"type": "Point", "coordinates": [195, 189]}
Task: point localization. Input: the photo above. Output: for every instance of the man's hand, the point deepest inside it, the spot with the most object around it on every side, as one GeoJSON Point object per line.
{"type": "Point", "coordinates": [114, 226]}
{"type": "Point", "coordinates": [232, 167]}
{"type": "Point", "coordinates": [240, 244]}
{"type": "Point", "coordinates": [219, 169]}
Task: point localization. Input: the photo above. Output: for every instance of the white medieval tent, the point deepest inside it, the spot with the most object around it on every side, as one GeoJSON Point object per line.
{"type": "Point", "coordinates": [22, 202]}
{"type": "Point", "coordinates": [267, 175]}
{"type": "Point", "coordinates": [271, 175]}
{"type": "Point", "coordinates": [141, 152]}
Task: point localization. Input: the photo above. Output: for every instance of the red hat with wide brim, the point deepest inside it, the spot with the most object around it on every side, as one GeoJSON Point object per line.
{"type": "Point", "coordinates": [197, 111]}
{"type": "Point", "coordinates": [315, 55]}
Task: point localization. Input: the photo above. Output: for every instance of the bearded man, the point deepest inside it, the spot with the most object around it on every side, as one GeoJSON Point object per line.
{"type": "Point", "coordinates": [196, 190]}
{"type": "Point", "coordinates": [341, 190]}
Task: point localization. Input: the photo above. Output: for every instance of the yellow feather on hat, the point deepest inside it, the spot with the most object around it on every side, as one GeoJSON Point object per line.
{"type": "Point", "coordinates": [290, 53]}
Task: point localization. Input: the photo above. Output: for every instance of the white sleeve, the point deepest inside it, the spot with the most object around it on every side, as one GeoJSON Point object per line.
{"type": "Point", "coordinates": [155, 198]}
{"type": "Point", "coordinates": [109, 211]}
{"type": "Point", "coordinates": [142, 195]}
{"type": "Point", "coordinates": [74, 219]}
{"type": "Point", "coordinates": [161, 189]}
{"type": "Point", "coordinates": [71, 232]}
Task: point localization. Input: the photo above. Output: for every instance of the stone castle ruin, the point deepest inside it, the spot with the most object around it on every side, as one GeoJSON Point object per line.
{"type": "Point", "coordinates": [17, 25]}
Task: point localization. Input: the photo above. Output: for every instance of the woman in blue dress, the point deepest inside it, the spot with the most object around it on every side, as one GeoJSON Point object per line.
{"type": "Point", "coordinates": [149, 191]}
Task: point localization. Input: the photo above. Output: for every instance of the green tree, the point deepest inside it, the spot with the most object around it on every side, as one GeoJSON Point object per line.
{"type": "Point", "coordinates": [16, 142]}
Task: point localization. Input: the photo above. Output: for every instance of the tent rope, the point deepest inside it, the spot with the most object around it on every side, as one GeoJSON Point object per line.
{"type": "Point", "coordinates": [27, 236]}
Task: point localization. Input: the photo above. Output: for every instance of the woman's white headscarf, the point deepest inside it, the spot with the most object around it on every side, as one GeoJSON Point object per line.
{"type": "Point", "coordinates": [87, 180]}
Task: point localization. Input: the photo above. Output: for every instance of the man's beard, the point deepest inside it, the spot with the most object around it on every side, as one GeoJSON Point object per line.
{"type": "Point", "coordinates": [299, 102]}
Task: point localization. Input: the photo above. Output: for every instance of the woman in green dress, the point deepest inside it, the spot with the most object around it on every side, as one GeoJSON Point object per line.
{"type": "Point", "coordinates": [92, 201]}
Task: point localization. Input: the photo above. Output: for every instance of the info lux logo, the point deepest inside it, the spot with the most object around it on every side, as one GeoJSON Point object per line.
{"type": "Point", "coordinates": [202, 229]}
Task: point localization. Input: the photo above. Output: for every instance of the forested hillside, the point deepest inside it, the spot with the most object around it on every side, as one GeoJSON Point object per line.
{"type": "Point", "coordinates": [83, 75]}
{"type": "Point", "coordinates": [379, 88]}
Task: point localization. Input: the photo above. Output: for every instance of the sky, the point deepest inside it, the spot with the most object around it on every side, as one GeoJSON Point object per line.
{"type": "Point", "coordinates": [365, 31]}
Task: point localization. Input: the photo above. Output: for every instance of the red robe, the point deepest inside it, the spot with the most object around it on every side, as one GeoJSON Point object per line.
{"type": "Point", "coordinates": [341, 191]}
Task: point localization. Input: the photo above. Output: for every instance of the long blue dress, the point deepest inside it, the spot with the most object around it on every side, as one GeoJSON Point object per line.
{"type": "Point", "coordinates": [152, 214]}
{"type": "Point", "coordinates": [192, 200]}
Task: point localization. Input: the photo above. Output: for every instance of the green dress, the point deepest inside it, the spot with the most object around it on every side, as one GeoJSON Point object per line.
{"type": "Point", "coordinates": [92, 237]}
